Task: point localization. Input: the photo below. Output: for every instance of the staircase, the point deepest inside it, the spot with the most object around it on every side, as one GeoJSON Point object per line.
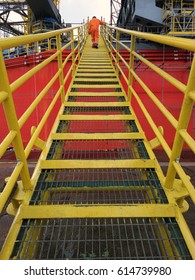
{"type": "Point", "coordinates": [98, 188]}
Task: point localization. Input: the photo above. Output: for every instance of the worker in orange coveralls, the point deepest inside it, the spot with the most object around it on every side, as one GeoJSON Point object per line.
{"type": "Point", "coordinates": [93, 29]}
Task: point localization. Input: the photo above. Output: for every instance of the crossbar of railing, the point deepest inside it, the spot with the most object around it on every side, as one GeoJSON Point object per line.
{"type": "Point", "coordinates": [8, 189]}
{"type": "Point", "coordinates": [177, 42]}
{"type": "Point", "coordinates": [3, 96]}
{"type": "Point", "coordinates": [7, 43]}
{"type": "Point", "coordinates": [37, 100]}
{"type": "Point", "coordinates": [21, 80]}
{"type": "Point", "coordinates": [7, 142]}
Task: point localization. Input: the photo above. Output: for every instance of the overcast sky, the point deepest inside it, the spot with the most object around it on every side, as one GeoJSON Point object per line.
{"type": "Point", "coordinates": [75, 11]}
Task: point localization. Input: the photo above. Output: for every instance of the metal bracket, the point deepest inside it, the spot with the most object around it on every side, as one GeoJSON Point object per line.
{"type": "Point", "coordinates": [17, 199]}
{"type": "Point", "coordinates": [39, 143]}
{"type": "Point", "coordinates": [179, 193]}
{"type": "Point", "coordinates": [154, 143]}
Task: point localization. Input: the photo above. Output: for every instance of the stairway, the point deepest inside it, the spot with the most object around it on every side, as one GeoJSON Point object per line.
{"type": "Point", "coordinates": [97, 187]}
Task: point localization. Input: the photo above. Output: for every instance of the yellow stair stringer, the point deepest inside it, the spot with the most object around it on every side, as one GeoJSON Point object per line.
{"type": "Point", "coordinates": [88, 200]}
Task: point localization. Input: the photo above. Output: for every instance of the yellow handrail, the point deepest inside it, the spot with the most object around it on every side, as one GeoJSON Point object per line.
{"type": "Point", "coordinates": [7, 90]}
{"type": "Point", "coordinates": [22, 184]}
{"type": "Point", "coordinates": [76, 44]}
{"type": "Point", "coordinates": [111, 36]}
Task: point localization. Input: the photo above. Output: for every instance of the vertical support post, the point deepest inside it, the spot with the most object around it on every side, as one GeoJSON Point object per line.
{"type": "Point", "coordinates": [73, 52]}
{"type": "Point", "coordinates": [49, 42]}
{"type": "Point", "coordinates": [60, 66]}
{"type": "Point", "coordinates": [84, 33]}
{"type": "Point", "coordinates": [37, 47]}
{"type": "Point", "coordinates": [79, 42]}
{"type": "Point", "coordinates": [117, 51]}
{"type": "Point", "coordinates": [131, 65]}
{"type": "Point", "coordinates": [103, 34]}
{"type": "Point", "coordinates": [27, 49]}
{"type": "Point", "coordinates": [13, 125]}
{"type": "Point", "coordinates": [183, 122]}
{"type": "Point", "coordinates": [110, 39]}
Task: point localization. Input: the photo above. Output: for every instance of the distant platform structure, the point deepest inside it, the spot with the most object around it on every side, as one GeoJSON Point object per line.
{"type": "Point", "coordinates": [158, 16]}
{"type": "Point", "coordinates": [18, 17]}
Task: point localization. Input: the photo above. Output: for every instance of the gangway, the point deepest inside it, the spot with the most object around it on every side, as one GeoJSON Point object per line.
{"type": "Point", "coordinates": [97, 191]}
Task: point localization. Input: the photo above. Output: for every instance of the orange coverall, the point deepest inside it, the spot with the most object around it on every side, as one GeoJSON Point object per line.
{"type": "Point", "coordinates": [94, 30]}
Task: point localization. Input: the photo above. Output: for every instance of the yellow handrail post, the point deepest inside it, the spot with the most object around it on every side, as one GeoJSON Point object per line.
{"type": "Point", "coordinates": [131, 66]}
{"type": "Point", "coordinates": [73, 52]}
{"type": "Point", "coordinates": [107, 36]}
{"type": "Point", "coordinates": [13, 125]}
{"type": "Point", "coordinates": [182, 124]}
{"type": "Point", "coordinates": [117, 51]}
{"type": "Point", "coordinates": [37, 47]}
{"type": "Point", "coordinates": [79, 42]}
{"type": "Point", "coordinates": [60, 66]}
{"type": "Point", "coordinates": [111, 39]}
{"type": "Point", "coordinates": [49, 44]}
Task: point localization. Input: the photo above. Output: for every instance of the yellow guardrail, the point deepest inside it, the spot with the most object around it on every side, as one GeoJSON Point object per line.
{"type": "Point", "coordinates": [112, 37]}
{"type": "Point", "coordinates": [76, 43]}
{"type": "Point", "coordinates": [14, 137]}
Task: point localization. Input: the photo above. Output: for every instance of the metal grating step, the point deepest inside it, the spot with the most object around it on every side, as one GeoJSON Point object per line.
{"type": "Point", "coordinates": [98, 81]}
{"type": "Point", "coordinates": [97, 110]}
{"type": "Point", "coordinates": [105, 239]}
{"type": "Point", "coordinates": [96, 98]}
{"type": "Point", "coordinates": [98, 186]}
{"type": "Point", "coordinates": [102, 85]}
{"type": "Point", "coordinates": [95, 75]}
{"type": "Point", "coordinates": [104, 126]}
{"type": "Point", "coordinates": [98, 149]}
{"type": "Point", "coordinates": [96, 67]}
{"type": "Point", "coordinates": [97, 90]}
{"type": "Point", "coordinates": [96, 93]}
{"type": "Point", "coordinates": [98, 104]}
{"type": "Point", "coordinates": [95, 70]}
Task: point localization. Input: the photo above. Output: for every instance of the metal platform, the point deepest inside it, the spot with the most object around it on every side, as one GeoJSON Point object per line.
{"type": "Point", "coordinates": [99, 190]}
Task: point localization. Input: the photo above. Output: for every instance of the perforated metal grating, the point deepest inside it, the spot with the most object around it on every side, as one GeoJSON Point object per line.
{"type": "Point", "coordinates": [99, 186]}
{"type": "Point", "coordinates": [98, 149]}
{"type": "Point", "coordinates": [97, 110]}
{"type": "Point", "coordinates": [132, 239]}
{"type": "Point", "coordinates": [93, 126]}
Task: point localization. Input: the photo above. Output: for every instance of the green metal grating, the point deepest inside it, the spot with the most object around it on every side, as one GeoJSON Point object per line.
{"type": "Point", "coordinates": [96, 99]}
{"type": "Point", "coordinates": [93, 126]}
{"type": "Point", "coordinates": [105, 239]}
{"type": "Point", "coordinates": [98, 149]}
{"type": "Point", "coordinates": [95, 83]}
{"type": "Point", "coordinates": [96, 110]}
{"type": "Point", "coordinates": [98, 186]}
{"type": "Point", "coordinates": [96, 90]}
{"type": "Point", "coordinates": [77, 76]}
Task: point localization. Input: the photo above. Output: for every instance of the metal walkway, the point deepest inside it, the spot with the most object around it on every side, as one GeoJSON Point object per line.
{"type": "Point", "coordinates": [99, 192]}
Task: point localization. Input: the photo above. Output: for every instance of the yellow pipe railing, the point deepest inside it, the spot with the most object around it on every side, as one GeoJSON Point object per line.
{"type": "Point", "coordinates": [14, 136]}
{"type": "Point", "coordinates": [15, 123]}
{"type": "Point", "coordinates": [111, 36]}
{"type": "Point", "coordinates": [76, 44]}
